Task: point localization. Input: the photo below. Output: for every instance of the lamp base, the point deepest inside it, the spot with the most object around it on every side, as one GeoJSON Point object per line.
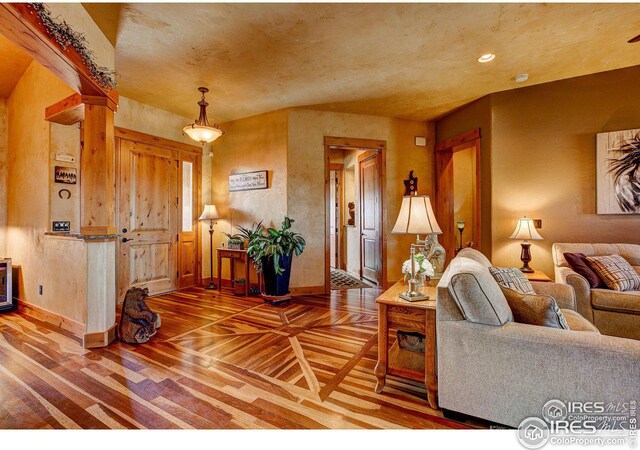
{"type": "Point", "coordinates": [414, 296]}
{"type": "Point", "coordinates": [211, 286]}
{"type": "Point", "coordinates": [413, 293]}
{"type": "Point", "coordinates": [525, 257]}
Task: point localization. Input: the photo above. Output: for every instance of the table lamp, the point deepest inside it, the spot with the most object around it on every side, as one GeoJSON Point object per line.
{"type": "Point", "coordinates": [210, 213]}
{"type": "Point", "coordinates": [416, 217]}
{"type": "Point", "coordinates": [526, 231]}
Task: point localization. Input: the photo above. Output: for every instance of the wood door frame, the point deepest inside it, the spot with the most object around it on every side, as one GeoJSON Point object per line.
{"type": "Point", "coordinates": [374, 145]}
{"type": "Point", "coordinates": [181, 148]}
{"type": "Point", "coordinates": [444, 188]}
{"type": "Point", "coordinates": [339, 168]}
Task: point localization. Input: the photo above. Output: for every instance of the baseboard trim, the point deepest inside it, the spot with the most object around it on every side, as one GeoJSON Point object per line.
{"type": "Point", "coordinates": [52, 318]}
{"type": "Point", "coordinates": [100, 339]}
{"type": "Point", "coordinates": [225, 283]}
{"type": "Point", "coordinates": [307, 290]}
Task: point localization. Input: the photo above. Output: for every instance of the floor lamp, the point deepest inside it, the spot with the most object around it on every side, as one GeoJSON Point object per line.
{"type": "Point", "coordinates": [210, 214]}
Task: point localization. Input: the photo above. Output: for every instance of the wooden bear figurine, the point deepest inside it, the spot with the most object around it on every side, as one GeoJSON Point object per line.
{"type": "Point", "coordinates": [137, 322]}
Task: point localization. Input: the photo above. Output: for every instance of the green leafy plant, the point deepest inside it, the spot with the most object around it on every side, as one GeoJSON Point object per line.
{"type": "Point", "coordinates": [247, 233]}
{"type": "Point", "coordinates": [274, 244]}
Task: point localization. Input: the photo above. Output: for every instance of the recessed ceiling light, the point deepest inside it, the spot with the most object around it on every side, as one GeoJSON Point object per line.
{"type": "Point", "coordinates": [486, 58]}
{"type": "Point", "coordinates": [521, 78]}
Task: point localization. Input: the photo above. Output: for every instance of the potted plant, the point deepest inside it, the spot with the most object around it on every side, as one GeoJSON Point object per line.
{"type": "Point", "coordinates": [238, 286]}
{"type": "Point", "coordinates": [272, 251]}
{"type": "Point", "coordinates": [235, 241]}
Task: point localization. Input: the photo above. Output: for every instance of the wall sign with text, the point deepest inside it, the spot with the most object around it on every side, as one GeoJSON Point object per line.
{"type": "Point", "coordinates": [248, 181]}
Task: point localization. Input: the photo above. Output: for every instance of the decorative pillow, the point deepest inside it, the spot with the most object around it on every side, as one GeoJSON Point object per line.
{"type": "Point", "coordinates": [541, 310]}
{"type": "Point", "coordinates": [512, 279]}
{"type": "Point", "coordinates": [578, 262]}
{"type": "Point", "coordinates": [616, 272]}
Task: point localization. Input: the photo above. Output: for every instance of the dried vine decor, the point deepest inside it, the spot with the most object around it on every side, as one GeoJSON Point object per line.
{"type": "Point", "coordinates": [67, 36]}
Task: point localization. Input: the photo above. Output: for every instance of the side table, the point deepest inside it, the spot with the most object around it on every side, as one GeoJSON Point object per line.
{"type": "Point", "coordinates": [397, 313]}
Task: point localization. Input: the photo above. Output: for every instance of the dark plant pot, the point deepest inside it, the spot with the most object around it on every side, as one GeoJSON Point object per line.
{"type": "Point", "coordinates": [276, 285]}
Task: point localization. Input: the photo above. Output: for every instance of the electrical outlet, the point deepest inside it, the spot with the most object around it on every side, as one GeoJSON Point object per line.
{"type": "Point", "coordinates": [61, 225]}
{"type": "Point", "coordinates": [40, 289]}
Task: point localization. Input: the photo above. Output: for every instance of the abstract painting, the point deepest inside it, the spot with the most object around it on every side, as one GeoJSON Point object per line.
{"type": "Point", "coordinates": [618, 172]}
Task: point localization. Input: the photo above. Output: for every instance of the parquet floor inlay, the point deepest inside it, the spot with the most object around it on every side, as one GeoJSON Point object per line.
{"type": "Point", "coordinates": [218, 361]}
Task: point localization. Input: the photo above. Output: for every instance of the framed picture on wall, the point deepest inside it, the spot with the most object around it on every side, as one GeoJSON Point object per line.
{"type": "Point", "coordinates": [618, 172]}
{"type": "Point", "coordinates": [66, 175]}
{"type": "Point", "coordinates": [248, 181]}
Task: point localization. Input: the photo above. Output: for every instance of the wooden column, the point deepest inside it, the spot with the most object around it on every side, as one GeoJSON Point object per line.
{"type": "Point", "coordinates": [97, 170]}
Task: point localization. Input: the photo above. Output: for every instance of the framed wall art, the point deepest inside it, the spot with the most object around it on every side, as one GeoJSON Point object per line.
{"type": "Point", "coordinates": [66, 175]}
{"type": "Point", "coordinates": [618, 172]}
{"type": "Point", "coordinates": [248, 181]}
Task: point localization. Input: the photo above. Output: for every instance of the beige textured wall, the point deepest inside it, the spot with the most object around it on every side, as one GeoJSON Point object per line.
{"type": "Point", "coordinates": [475, 115]}
{"type": "Point", "coordinates": [137, 116]}
{"type": "Point", "coordinates": [543, 161]}
{"type": "Point", "coordinates": [43, 260]}
{"type": "Point", "coordinates": [542, 165]}
{"type": "Point", "coordinates": [305, 193]}
{"type": "Point", "coordinates": [66, 140]}
{"type": "Point", "coordinates": [254, 143]}
{"type": "Point", "coordinates": [3, 174]}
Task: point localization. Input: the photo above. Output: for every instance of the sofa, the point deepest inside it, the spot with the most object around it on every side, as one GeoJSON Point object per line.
{"type": "Point", "coordinates": [613, 313]}
{"type": "Point", "coordinates": [495, 369]}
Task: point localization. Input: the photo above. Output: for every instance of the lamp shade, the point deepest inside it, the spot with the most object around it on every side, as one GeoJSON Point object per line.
{"type": "Point", "coordinates": [526, 231]}
{"type": "Point", "coordinates": [416, 216]}
{"type": "Point", "coordinates": [210, 213]}
{"type": "Point", "coordinates": [202, 133]}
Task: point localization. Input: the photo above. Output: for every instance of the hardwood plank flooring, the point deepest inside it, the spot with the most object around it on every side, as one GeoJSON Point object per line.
{"type": "Point", "coordinates": [218, 361]}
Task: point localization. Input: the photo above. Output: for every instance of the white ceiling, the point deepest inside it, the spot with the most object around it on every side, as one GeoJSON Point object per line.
{"type": "Point", "coordinates": [414, 61]}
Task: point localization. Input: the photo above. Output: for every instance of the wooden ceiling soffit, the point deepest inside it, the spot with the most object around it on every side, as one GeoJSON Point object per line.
{"type": "Point", "coordinates": [71, 109]}
{"type": "Point", "coordinates": [20, 24]}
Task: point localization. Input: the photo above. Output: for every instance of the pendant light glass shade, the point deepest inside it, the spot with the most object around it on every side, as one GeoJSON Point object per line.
{"type": "Point", "coordinates": [202, 134]}
{"type": "Point", "coordinates": [200, 130]}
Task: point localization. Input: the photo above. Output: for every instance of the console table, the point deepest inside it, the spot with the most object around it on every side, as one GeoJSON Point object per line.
{"type": "Point", "coordinates": [397, 313]}
{"type": "Point", "coordinates": [234, 255]}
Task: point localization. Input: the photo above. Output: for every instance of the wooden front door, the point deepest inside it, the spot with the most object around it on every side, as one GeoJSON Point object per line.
{"type": "Point", "coordinates": [148, 217]}
{"type": "Point", "coordinates": [370, 219]}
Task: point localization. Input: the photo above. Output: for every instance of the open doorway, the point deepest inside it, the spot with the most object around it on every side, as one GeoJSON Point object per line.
{"type": "Point", "coordinates": [354, 203]}
{"type": "Point", "coordinates": [458, 199]}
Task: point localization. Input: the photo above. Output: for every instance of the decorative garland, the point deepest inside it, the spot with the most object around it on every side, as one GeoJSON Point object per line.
{"type": "Point", "coordinates": [66, 36]}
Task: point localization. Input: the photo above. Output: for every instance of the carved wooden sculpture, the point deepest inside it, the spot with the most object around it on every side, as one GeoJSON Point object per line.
{"type": "Point", "coordinates": [137, 322]}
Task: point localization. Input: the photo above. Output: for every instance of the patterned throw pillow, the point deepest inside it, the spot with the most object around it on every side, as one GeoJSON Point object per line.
{"type": "Point", "coordinates": [616, 272]}
{"type": "Point", "coordinates": [513, 279]}
{"type": "Point", "coordinates": [541, 310]}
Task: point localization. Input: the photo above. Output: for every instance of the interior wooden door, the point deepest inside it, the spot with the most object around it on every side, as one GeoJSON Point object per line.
{"type": "Point", "coordinates": [148, 217]}
{"type": "Point", "coordinates": [370, 219]}
{"type": "Point", "coordinates": [189, 210]}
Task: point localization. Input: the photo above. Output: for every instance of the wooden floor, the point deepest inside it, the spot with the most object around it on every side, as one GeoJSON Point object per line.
{"type": "Point", "coordinates": [217, 362]}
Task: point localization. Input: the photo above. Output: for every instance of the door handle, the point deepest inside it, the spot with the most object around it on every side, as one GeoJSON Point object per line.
{"type": "Point", "coordinates": [126, 240]}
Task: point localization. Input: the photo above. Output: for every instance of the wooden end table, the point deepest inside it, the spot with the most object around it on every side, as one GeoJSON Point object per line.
{"type": "Point", "coordinates": [537, 275]}
{"type": "Point", "coordinates": [234, 255]}
{"type": "Point", "coordinates": [397, 313]}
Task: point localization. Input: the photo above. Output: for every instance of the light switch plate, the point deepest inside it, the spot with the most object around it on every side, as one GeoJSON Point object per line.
{"type": "Point", "coordinates": [61, 225]}
{"type": "Point", "coordinates": [421, 141]}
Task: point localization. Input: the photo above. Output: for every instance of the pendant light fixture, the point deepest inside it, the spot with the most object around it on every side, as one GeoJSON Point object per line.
{"type": "Point", "coordinates": [200, 130]}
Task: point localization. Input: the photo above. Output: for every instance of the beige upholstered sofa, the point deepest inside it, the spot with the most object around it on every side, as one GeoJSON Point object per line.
{"type": "Point", "coordinates": [614, 313]}
{"type": "Point", "coordinates": [499, 370]}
